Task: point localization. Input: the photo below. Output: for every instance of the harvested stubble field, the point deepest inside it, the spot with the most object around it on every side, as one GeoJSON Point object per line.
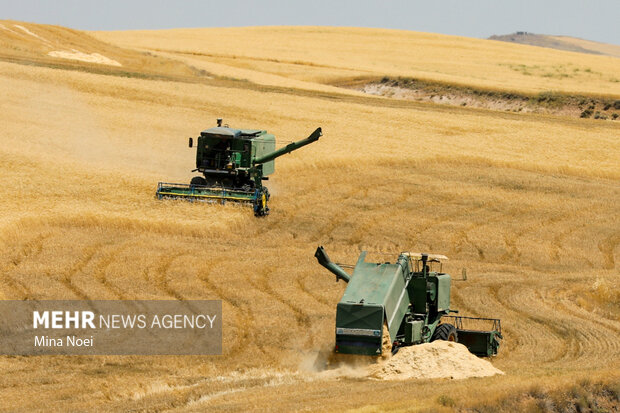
{"type": "Point", "coordinates": [527, 203]}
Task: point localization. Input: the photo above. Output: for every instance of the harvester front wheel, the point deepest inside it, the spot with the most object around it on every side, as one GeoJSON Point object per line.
{"type": "Point", "coordinates": [198, 180]}
{"type": "Point", "coordinates": [260, 206]}
{"type": "Point", "coordinates": [446, 332]}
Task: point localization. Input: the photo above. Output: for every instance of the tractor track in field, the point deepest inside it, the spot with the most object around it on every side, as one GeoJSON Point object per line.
{"type": "Point", "coordinates": [580, 343]}
{"type": "Point", "coordinates": [368, 225]}
{"type": "Point", "coordinates": [324, 234]}
{"type": "Point", "coordinates": [245, 318]}
{"type": "Point", "coordinates": [162, 269]}
{"type": "Point", "coordinates": [430, 223]}
{"type": "Point", "coordinates": [99, 272]}
{"type": "Point", "coordinates": [566, 215]}
{"type": "Point", "coordinates": [88, 254]}
{"type": "Point", "coordinates": [513, 252]}
{"type": "Point", "coordinates": [204, 390]}
{"type": "Point", "coordinates": [400, 202]}
{"type": "Point", "coordinates": [496, 310]}
{"type": "Point", "coordinates": [580, 336]}
{"type": "Point", "coordinates": [556, 243]}
{"type": "Point", "coordinates": [548, 319]}
{"type": "Point", "coordinates": [606, 336]}
{"type": "Point", "coordinates": [158, 277]}
{"type": "Point", "coordinates": [316, 297]}
{"type": "Point", "coordinates": [607, 248]}
{"type": "Point", "coordinates": [263, 286]}
{"type": "Point", "coordinates": [570, 307]}
{"type": "Point", "coordinates": [461, 238]}
{"type": "Point", "coordinates": [19, 287]}
{"type": "Point", "coordinates": [28, 250]}
{"type": "Point", "coordinates": [555, 246]}
{"type": "Point", "coordinates": [362, 229]}
{"type": "Point", "coordinates": [541, 342]}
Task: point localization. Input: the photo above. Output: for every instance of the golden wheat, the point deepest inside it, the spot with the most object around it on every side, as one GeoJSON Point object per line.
{"type": "Point", "coordinates": [331, 54]}
{"type": "Point", "coordinates": [527, 203]}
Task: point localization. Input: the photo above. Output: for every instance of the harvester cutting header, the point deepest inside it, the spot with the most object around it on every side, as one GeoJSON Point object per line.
{"type": "Point", "coordinates": [233, 163]}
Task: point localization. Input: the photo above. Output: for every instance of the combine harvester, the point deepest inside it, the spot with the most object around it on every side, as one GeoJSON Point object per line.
{"type": "Point", "coordinates": [234, 163]}
{"type": "Point", "coordinates": [388, 306]}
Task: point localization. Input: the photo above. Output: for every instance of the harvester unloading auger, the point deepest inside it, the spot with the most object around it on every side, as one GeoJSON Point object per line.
{"type": "Point", "coordinates": [387, 306]}
{"type": "Point", "coordinates": [234, 163]}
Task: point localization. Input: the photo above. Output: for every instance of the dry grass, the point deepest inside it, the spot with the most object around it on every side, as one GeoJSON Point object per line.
{"type": "Point", "coordinates": [527, 203]}
{"type": "Point", "coordinates": [329, 54]}
{"type": "Point", "coordinates": [37, 44]}
{"type": "Point", "coordinates": [605, 48]}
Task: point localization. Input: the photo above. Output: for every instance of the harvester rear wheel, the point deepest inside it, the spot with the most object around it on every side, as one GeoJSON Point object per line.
{"type": "Point", "coordinates": [446, 332]}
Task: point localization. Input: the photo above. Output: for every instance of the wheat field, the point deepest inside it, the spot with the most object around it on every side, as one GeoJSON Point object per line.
{"type": "Point", "coordinates": [331, 54]}
{"type": "Point", "coordinates": [529, 204]}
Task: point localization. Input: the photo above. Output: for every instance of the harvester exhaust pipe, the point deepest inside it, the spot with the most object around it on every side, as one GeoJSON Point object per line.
{"type": "Point", "coordinates": [324, 260]}
{"type": "Point", "coordinates": [424, 266]}
{"type": "Point", "coordinates": [219, 122]}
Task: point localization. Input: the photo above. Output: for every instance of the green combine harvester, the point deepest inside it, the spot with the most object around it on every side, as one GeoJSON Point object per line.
{"type": "Point", "coordinates": [233, 163]}
{"type": "Point", "coordinates": [390, 305]}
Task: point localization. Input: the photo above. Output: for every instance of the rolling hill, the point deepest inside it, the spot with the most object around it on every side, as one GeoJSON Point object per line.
{"type": "Point", "coordinates": [568, 43]}
{"type": "Point", "coordinates": [526, 202]}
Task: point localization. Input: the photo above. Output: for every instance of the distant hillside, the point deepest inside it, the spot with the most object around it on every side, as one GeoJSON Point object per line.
{"type": "Point", "coordinates": [567, 43]}
{"type": "Point", "coordinates": [62, 47]}
{"type": "Point", "coordinates": [336, 55]}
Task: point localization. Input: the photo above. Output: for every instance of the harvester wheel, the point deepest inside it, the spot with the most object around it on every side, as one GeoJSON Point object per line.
{"type": "Point", "coordinates": [260, 206]}
{"type": "Point", "coordinates": [446, 332]}
{"type": "Point", "coordinates": [198, 180]}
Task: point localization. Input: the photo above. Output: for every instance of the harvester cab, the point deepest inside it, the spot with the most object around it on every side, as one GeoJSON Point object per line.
{"type": "Point", "coordinates": [233, 164]}
{"type": "Point", "coordinates": [389, 305]}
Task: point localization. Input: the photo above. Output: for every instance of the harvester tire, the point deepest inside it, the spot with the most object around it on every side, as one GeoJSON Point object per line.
{"type": "Point", "coordinates": [445, 332]}
{"type": "Point", "coordinates": [260, 205]}
{"type": "Point", "coordinates": [198, 180]}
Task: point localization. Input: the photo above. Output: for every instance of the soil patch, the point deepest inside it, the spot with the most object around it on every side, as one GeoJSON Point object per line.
{"type": "Point", "coordinates": [84, 57]}
{"type": "Point", "coordinates": [545, 102]}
